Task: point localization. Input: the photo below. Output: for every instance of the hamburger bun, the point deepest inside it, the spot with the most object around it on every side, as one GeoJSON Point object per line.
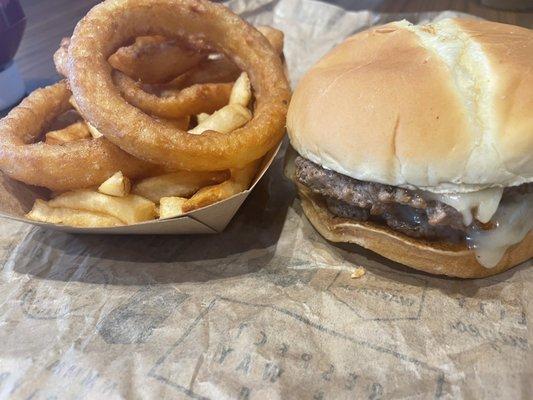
{"type": "Point", "coordinates": [444, 107]}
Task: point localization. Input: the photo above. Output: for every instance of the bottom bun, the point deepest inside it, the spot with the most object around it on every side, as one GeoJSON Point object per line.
{"type": "Point", "coordinates": [433, 257]}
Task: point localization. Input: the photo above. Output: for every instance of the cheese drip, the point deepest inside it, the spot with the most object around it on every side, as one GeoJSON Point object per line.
{"type": "Point", "coordinates": [481, 204]}
{"type": "Point", "coordinates": [513, 221]}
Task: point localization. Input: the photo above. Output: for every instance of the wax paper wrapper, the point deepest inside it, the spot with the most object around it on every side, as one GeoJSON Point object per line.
{"type": "Point", "coordinates": [265, 310]}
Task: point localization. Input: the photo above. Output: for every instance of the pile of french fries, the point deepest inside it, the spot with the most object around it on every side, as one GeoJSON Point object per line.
{"type": "Point", "coordinates": [119, 201]}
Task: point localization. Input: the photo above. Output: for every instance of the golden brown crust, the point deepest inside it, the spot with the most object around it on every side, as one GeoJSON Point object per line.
{"type": "Point", "coordinates": [432, 257]}
{"type": "Point", "coordinates": [138, 133]}
{"type": "Point", "coordinates": [88, 162]}
{"type": "Point", "coordinates": [61, 57]}
{"type": "Point", "coordinates": [155, 59]}
{"type": "Point", "coordinates": [195, 99]}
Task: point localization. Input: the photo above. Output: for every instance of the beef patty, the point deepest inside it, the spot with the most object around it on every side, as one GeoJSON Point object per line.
{"type": "Point", "coordinates": [401, 209]}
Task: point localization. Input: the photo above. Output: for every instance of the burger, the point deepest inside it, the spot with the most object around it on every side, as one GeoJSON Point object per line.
{"type": "Point", "coordinates": [416, 142]}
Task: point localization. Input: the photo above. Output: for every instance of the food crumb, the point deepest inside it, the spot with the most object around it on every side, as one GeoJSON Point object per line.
{"type": "Point", "coordinates": [358, 272]}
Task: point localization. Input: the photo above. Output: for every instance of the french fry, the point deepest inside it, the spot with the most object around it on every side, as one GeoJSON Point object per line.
{"type": "Point", "coordinates": [177, 184]}
{"type": "Point", "coordinates": [95, 133]}
{"type": "Point", "coordinates": [42, 212]}
{"type": "Point", "coordinates": [202, 117]}
{"type": "Point", "coordinates": [240, 181]}
{"type": "Point", "coordinates": [225, 120]}
{"type": "Point", "coordinates": [241, 93]}
{"type": "Point", "coordinates": [212, 194]}
{"type": "Point", "coordinates": [171, 207]}
{"type": "Point", "coordinates": [117, 185]}
{"type": "Point", "coordinates": [73, 132]}
{"type": "Point", "coordinates": [130, 209]}
{"type": "Point", "coordinates": [244, 176]}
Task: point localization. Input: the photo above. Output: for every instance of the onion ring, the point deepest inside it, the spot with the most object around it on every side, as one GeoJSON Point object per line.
{"type": "Point", "coordinates": [155, 59]}
{"type": "Point", "coordinates": [195, 99]}
{"type": "Point", "coordinates": [107, 27]}
{"type": "Point", "coordinates": [72, 165]}
{"type": "Point", "coordinates": [219, 69]}
{"type": "Point", "coordinates": [61, 57]}
{"type": "Point", "coordinates": [275, 37]}
{"type": "Point", "coordinates": [180, 123]}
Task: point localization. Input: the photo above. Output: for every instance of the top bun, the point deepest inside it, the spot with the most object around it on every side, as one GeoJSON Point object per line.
{"type": "Point", "coordinates": [445, 107]}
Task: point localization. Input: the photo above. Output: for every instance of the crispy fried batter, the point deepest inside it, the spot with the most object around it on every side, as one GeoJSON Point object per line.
{"type": "Point", "coordinates": [88, 162]}
{"type": "Point", "coordinates": [106, 109]}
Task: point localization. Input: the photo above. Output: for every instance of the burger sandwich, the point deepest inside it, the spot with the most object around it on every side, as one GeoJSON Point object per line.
{"type": "Point", "coordinates": [416, 142]}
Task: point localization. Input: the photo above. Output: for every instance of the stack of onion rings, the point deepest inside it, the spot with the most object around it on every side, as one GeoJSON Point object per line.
{"type": "Point", "coordinates": [204, 97]}
{"type": "Point", "coordinates": [195, 88]}
{"type": "Point", "coordinates": [108, 27]}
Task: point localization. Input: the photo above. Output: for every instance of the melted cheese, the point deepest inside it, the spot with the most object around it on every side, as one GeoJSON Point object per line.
{"type": "Point", "coordinates": [513, 220]}
{"type": "Point", "coordinates": [483, 203]}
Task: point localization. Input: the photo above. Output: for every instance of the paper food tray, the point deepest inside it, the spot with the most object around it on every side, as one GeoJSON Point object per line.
{"type": "Point", "coordinates": [16, 199]}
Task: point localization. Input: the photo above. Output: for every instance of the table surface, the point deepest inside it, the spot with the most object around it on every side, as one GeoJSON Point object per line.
{"type": "Point", "coordinates": [49, 21]}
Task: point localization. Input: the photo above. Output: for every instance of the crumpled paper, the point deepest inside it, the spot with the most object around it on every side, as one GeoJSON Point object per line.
{"type": "Point", "coordinates": [266, 310]}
